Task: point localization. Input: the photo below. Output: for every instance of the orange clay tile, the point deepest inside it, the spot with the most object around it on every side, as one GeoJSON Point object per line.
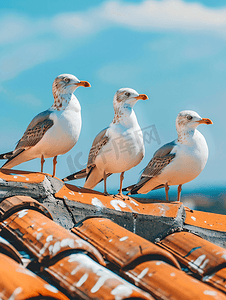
{"type": "Point", "coordinates": [142, 262]}
{"type": "Point", "coordinates": [166, 282]}
{"type": "Point", "coordinates": [119, 245]}
{"type": "Point", "coordinates": [9, 250]}
{"type": "Point", "coordinates": [97, 199]}
{"type": "Point", "coordinates": [18, 283]}
{"type": "Point", "coordinates": [43, 237]}
{"type": "Point", "coordinates": [81, 276]}
{"type": "Point", "coordinates": [21, 176]}
{"type": "Point", "coordinates": [12, 204]}
{"type": "Point", "coordinates": [206, 220]}
{"type": "Point", "coordinates": [218, 280]}
{"type": "Point", "coordinates": [199, 255]}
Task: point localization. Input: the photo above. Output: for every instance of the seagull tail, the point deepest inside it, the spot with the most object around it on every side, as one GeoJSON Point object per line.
{"type": "Point", "coordinates": [128, 188]}
{"type": "Point", "coordinates": [139, 188]}
{"type": "Point", "coordinates": [7, 155]}
{"type": "Point", "coordinates": [77, 175]}
{"type": "Point", "coordinates": [13, 158]}
{"type": "Point", "coordinates": [93, 178]}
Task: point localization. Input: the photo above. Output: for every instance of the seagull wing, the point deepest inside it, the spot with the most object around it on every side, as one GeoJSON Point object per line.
{"type": "Point", "coordinates": [33, 134]}
{"type": "Point", "coordinates": [100, 140]}
{"type": "Point", "coordinates": [35, 130]}
{"type": "Point", "coordinates": [94, 176]}
{"type": "Point", "coordinates": [162, 158]}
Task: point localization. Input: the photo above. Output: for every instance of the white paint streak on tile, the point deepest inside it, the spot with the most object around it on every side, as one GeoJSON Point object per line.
{"type": "Point", "coordinates": [143, 273]}
{"type": "Point", "coordinates": [122, 291]}
{"type": "Point", "coordinates": [197, 263]}
{"type": "Point", "coordinates": [123, 238]}
{"type": "Point", "coordinates": [22, 213]}
{"type": "Point", "coordinates": [210, 293]}
{"type": "Point", "coordinates": [193, 218]}
{"type": "Point", "coordinates": [100, 282]}
{"type": "Point", "coordinates": [56, 247]}
{"type": "Point", "coordinates": [97, 202]}
{"type": "Point", "coordinates": [39, 229]}
{"type": "Point", "coordinates": [51, 288]}
{"type": "Point", "coordinates": [67, 242]}
{"type": "Point", "coordinates": [117, 203]}
{"type": "Point", "coordinates": [16, 292]}
{"type": "Point", "coordinates": [49, 238]}
{"type": "Point", "coordinates": [133, 202]}
{"type": "Point", "coordinates": [75, 270]}
{"type": "Point", "coordinates": [39, 235]}
{"type": "Point", "coordinates": [26, 271]}
{"type": "Point", "coordinates": [82, 280]}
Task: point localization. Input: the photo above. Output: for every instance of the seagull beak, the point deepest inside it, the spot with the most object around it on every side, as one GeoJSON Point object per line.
{"type": "Point", "coordinates": [83, 83]}
{"type": "Point", "coordinates": [142, 97]}
{"type": "Point", "coordinates": [205, 121]}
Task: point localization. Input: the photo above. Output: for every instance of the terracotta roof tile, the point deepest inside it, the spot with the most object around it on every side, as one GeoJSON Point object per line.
{"type": "Point", "coordinates": [217, 279]}
{"type": "Point", "coordinates": [21, 176]}
{"type": "Point", "coordinates": [12, 204]}
{"type": "Point", "coordinates": [43, 237]}
{"type": "Point", "coordinates": [199, 255]}
{"type": "Point", "coordinates": [99, 199]}
{"type": "Point", "coordinates": [119, 245]}
{"type": "Point", "coordinates": [206, 220]}
{"type": "Point", "coordinates": [18, 283]}
{"type": "Point", "coordinates": [82, 276]}
{"type": "Point", "coordinates": [142, 262]}
{"type": "Point", "coordinates": [8, 249]}
{"type": "Point", "coordinates": [166, 282]}
{"type": "Point", "coordinates": [77, 268]}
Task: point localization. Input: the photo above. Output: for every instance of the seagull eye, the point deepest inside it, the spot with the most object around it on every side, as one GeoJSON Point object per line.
{"type": "Point", "coordinates": [189, 117]}
{"type": "Point", "coordinates": [66, 79]}
{"type": "Point", "coordinates": [127, 94]}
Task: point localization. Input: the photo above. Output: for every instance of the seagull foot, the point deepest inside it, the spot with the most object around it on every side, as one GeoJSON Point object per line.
{"type": "Point", "coordinates": [106, 194]}
{"type": "Point", "coordinates": [121, 196]}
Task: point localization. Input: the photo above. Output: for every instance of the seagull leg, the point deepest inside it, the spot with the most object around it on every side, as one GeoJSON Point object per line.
{"type": "Point", "coordinates": [166, 190]}
{"type": "Point", "coordinates": [42, 162]}
{"type": "Point", "coordinates": [54, 165]}
{"type": "Point", "coordinates": [120, 194]}
{"type": "Point", "coordinates": [179, 192]}
{"type": "Point", "coordinates": [105, 184]}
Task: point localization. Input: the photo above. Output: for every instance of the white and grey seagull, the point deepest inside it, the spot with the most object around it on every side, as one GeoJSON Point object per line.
{"type": "Point", "coordinates": [178, 162]}
{"type": "Point", "coordinates": [117, 148]}
{"type": "Point", "coordinates": [52, 132]}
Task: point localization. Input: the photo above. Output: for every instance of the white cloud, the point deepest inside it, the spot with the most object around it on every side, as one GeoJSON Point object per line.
{"type": "Point", "coordinates": [166, 15]}
{"type": "Point", "coordinates": [26, 42]}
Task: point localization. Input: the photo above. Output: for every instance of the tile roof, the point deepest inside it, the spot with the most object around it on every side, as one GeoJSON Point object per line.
{"type": "Point", "coordinates": [67, 242]}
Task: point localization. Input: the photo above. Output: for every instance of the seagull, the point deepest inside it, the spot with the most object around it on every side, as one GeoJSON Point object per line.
{"type": "Point", "coordinates": [117, 148]}
{"type": "Point", "coordinates": [178, 162]}
{"type": "Point", "coordinates": [52, 132]}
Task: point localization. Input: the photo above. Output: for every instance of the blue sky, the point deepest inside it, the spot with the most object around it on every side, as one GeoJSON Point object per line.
{"type": "Point", "coordinates": [174, 51]}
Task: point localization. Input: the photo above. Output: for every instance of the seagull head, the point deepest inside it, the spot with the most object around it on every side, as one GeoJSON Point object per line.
{"type": "Point", "coordinates": [188, 120]}
{"type": "Point", "coordinates": [67, 84]}
{"type": "Point", "coordinates": [127, 97]}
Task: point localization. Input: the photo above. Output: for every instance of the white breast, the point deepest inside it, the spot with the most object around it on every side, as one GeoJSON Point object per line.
{"type": "Point", "coordinates": [189, 162]}
{"type": "Point", "coordinates": [63, 135]}
{"type": "Point", "coordinates": [124, 150]}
